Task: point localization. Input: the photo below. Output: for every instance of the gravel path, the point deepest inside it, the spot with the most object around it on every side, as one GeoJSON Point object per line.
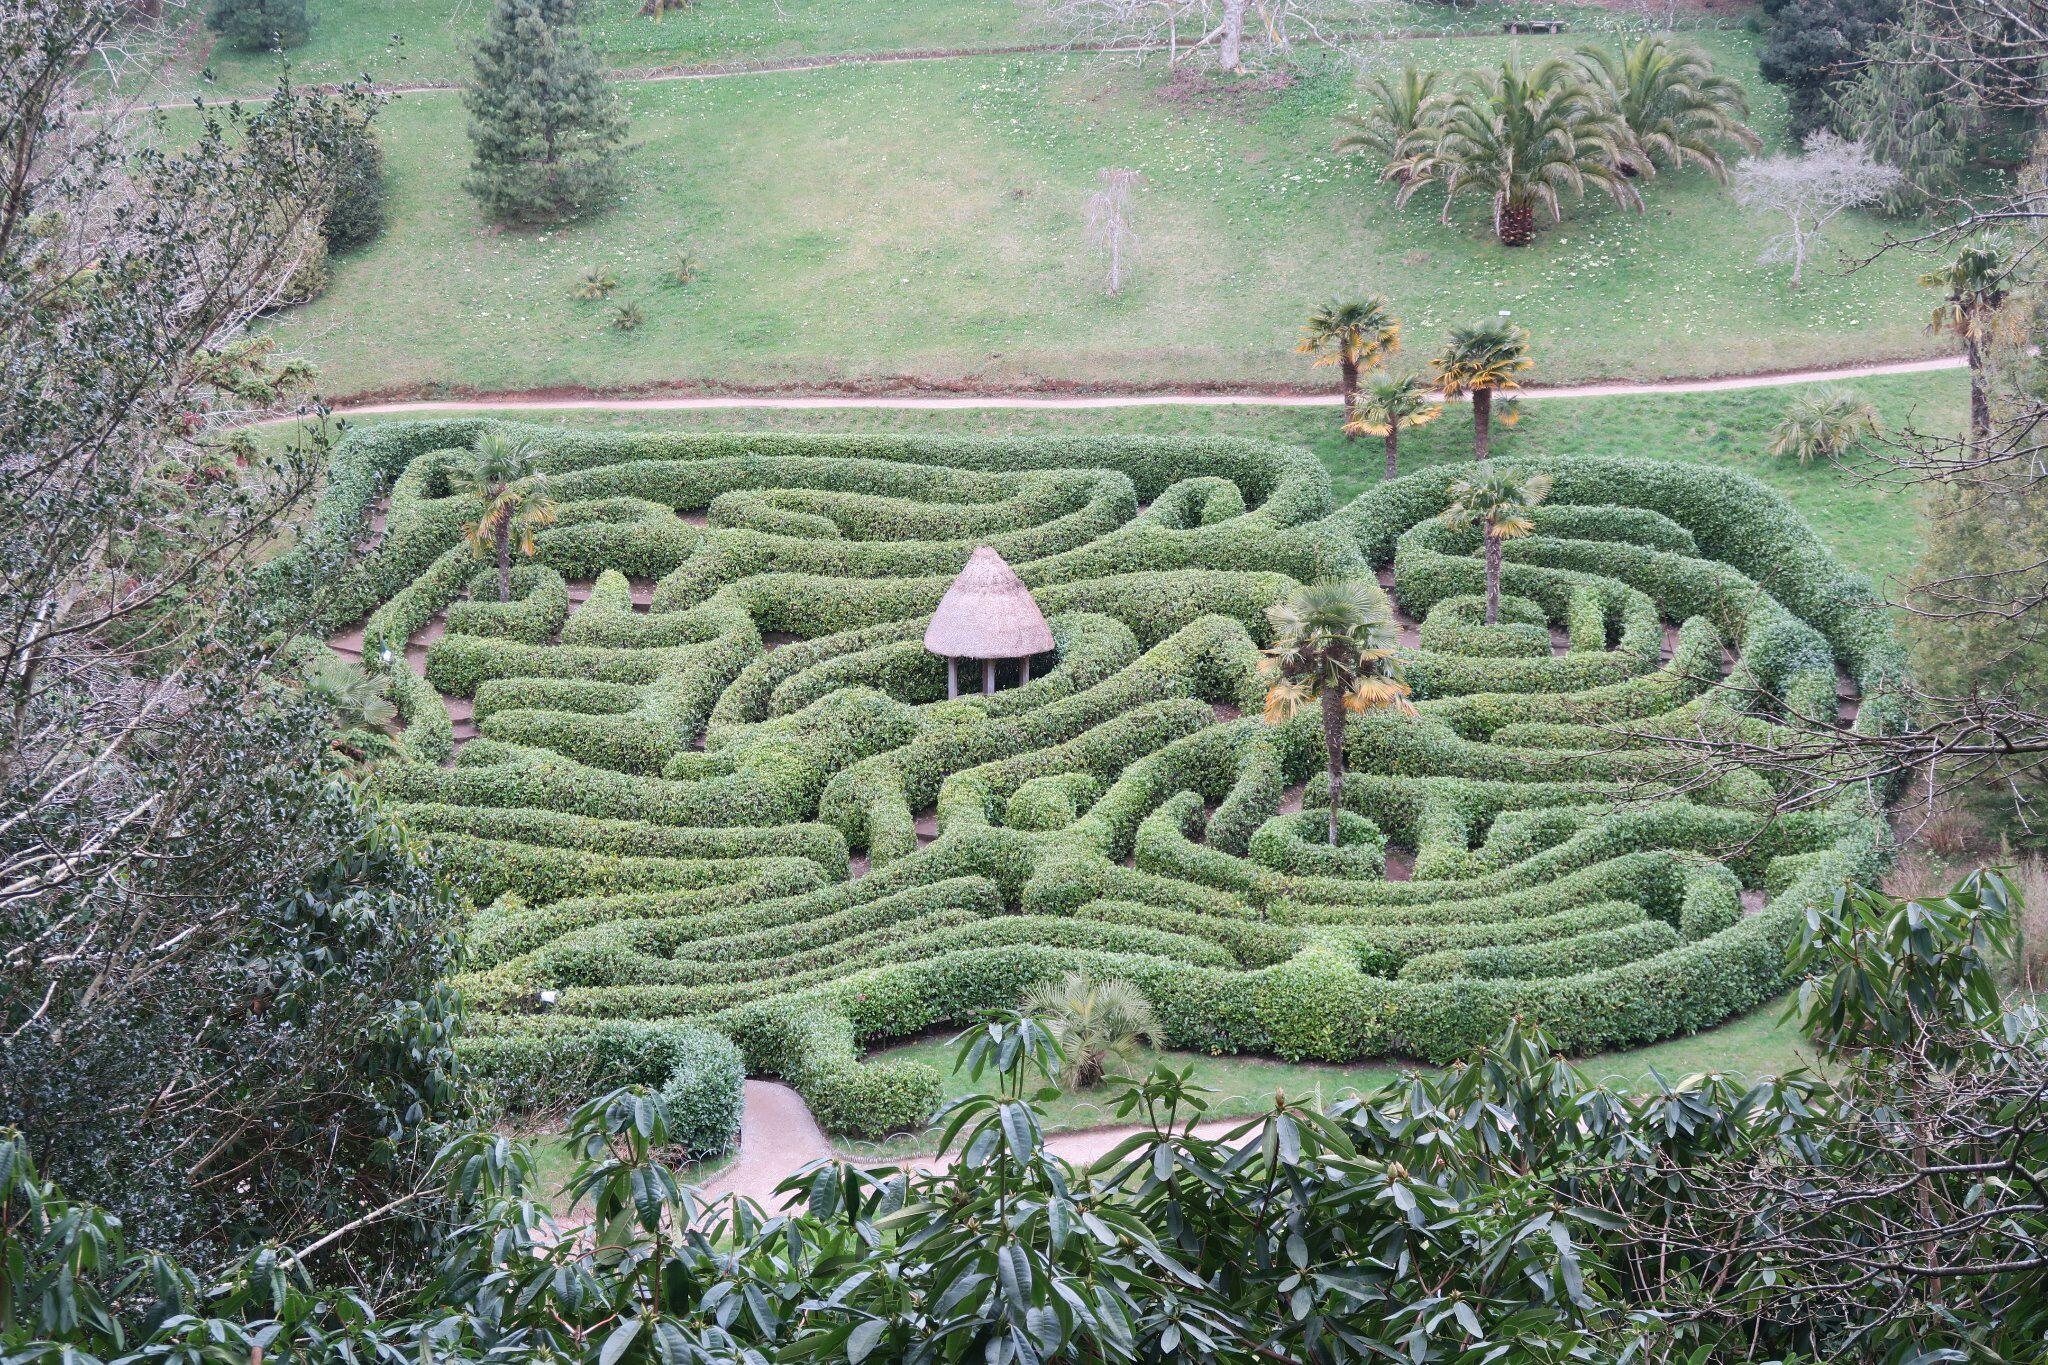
{"type": "Point", "coordinates": [778, 1138]}
{"type": "Point", "coordinates": [712, 71]}
{"type": "Point", "coordinates": [1084, 401]}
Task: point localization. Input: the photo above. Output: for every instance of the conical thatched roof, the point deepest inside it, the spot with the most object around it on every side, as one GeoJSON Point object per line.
{"type": "Point", "coordinates": [988, 614]}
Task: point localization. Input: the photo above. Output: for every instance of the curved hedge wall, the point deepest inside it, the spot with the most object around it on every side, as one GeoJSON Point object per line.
{"type": "Point", "coordinates": [717, 788]}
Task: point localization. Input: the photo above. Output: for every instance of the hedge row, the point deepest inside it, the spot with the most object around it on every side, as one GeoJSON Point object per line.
{"type": "Point", "coordinates": [661, 814]}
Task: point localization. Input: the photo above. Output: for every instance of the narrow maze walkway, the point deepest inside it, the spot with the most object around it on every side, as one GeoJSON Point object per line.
{"type": "Point", "coordinates": [779, 1137]}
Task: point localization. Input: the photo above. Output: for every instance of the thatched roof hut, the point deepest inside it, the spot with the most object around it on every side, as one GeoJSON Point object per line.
{"type": "Point", "coordinates": [987, 614]}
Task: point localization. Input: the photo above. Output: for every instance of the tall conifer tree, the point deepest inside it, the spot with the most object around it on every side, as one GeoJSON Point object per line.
{"type": "Point", "coordinates": [544, 127]}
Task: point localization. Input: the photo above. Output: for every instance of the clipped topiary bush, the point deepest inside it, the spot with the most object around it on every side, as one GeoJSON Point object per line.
{"type": "Point", "coordinates": [1299, 845]}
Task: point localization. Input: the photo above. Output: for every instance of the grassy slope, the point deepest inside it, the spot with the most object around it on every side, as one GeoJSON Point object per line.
{"type": "Point", "coordinates": [409, 42]}
{"type": "Point", "coordinates": [921, 224]}
{"type": "Point", "coordinates": [1871, 529]}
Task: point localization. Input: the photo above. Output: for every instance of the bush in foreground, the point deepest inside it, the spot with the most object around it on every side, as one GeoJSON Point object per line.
{"type": "Point", "coordinates": [1532, 1213]}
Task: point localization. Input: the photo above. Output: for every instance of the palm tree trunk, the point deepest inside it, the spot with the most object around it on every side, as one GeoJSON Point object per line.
{"type": "Point", "coordinates": [1491, 543]}
{"type": "Point", "coordinates": [1482, 424]}
{"type": "Point", "coordinates": [1333, 749]}
{"type": "Point", "coordinates": [505, 559]}
{"type": "Point", "coordinates": [1393, 450]}
{"type": "Point", "coordinates": [1517, 224]}
{"type": "Point", "coordinates": [1349, 369]}
{"type": "Point", "coordinates": [1980, 402]}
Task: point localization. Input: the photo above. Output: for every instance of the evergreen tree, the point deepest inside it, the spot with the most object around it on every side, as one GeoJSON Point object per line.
{"type": "Point", "coordinates": [1980, 630]}
{"type": "Point", "coordinates": [1912, 116]}
{"type": "Point", "coordinates": [259, 25]}
{"type": "Point", "coordinates": [545, 127]}
{"type": "Point", "coordinates": [1812, 46]}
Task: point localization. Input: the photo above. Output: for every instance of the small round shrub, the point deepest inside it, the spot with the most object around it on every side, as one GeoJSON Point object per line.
{"type": "Point", "coordinates": [1298, 844]}
{"type": "Point", "coordinates": [1713, 902]}
{"type": "Point", "coordinates": [876, 1099]}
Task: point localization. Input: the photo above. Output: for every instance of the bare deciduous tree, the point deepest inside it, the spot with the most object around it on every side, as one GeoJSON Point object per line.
{"type": "Point", "coordinates": [1809, 191]}
{"type": "Point", "coordinates": [1238, 32]}
{"type": "Point", "coordinates": [1109, 220]}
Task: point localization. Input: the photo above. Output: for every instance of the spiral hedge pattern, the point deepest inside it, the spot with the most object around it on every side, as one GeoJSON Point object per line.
{"type": "Point", "coordinates": [744, 802]}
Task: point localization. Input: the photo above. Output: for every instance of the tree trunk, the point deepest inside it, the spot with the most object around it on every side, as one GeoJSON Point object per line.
{"type": "Point", "coordinates": [505, 559]}
{"type": "Point", "coordinates": [1491, 543]}
{"type": "Point", "coordinates": [1517, 224]}
{"type": "Point", "coordinates": [1482, 424]}
{"type": "Point", "coordinates": [1232, 56]}
{"type": "Point", "coordinates": [1980, 402]}
{"type": "Point", "coordinates": [1333, 747]}
{"type": "Point", "coordinates": [1393, 450]}
{"type": "Point", "coordinates": [1349, 369]}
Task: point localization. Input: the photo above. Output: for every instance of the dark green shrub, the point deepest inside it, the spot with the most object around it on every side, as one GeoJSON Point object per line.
{"type": "Point", "coordinates": [259, 25]}
{"type": "Point", "coordinates": [356, 197]}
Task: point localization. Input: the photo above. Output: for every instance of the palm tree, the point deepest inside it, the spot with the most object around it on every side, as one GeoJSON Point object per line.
{"type": "Point", "coordinates": [1391, 402]}
{"type": "Point", "coordinates": [1973, 288]}
{"type": "Point", "coordinates": [1400, 115]}
{"type": "Point", "coordinates": [1096, 1023]}
{"type": "Point", "coordinates": [1502, 504]}
{"type": "Point", "coordinates": [511, 492]}
{"type": "Point", "coordinates": [1480, 361]}
{"type": "Point", "coordinates": [360, 702]}
{"type": "Point", "coordinates": [1676, 107]}
{"type": "Point", "coordinates": [1354, 335]}
{"type": "Point", "coordinates": [1523, 138]}
{"type": "Point", "coordinates": [1824, 425]}
{"type": "Point", "coordinates": [1333, 644]}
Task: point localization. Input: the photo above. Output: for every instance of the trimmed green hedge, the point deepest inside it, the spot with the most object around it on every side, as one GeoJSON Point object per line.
{"type": "Point", "coordinates": [543, 1065]}
{"type": "Point", "coordinates": [1299, 844]}
{"type": "Point", "coordinates": [742, 802]}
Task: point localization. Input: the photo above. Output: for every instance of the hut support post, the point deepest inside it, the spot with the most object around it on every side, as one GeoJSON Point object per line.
{"type": "Point", "coordinates": [952, 677]}
{"type": "Point", "coordinates": [988, 677]}
{"type": "Point", "coordinates": [1024, 670]}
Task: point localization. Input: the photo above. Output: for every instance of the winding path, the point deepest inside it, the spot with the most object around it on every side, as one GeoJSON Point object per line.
{"type": "Point", "coordinates": [773, 66]}
{"type": "Point", "coordinates": [779, 1137]}
{"type": "Point", "coordinates": [1262, 398]}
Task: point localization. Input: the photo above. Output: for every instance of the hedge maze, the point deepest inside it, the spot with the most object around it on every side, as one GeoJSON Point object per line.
{"type": "Point", "coordinates": [718, 809]}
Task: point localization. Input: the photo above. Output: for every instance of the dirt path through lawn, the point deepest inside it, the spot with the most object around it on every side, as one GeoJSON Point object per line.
{"type": "Point", "coordinates": [772, 66]}
{"type": "Point", "coordinates": [1084, 401]}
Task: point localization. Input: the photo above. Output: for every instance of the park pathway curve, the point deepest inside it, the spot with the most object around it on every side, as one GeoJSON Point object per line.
{"type": "Point", "coordinates": [779, 1137]}
{"type": "Point", "coordinates": [1265, 398]}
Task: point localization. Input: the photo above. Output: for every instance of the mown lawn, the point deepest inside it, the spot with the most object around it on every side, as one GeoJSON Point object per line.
{"type": "Point", "coordinates": [417, 42]}
{"type": "Point", "coordinates": [921, 224]}
{"type": "Point", "coordinates": [1873, 529]}
{"type": "Point", "coordinates": [1749, 1048]}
